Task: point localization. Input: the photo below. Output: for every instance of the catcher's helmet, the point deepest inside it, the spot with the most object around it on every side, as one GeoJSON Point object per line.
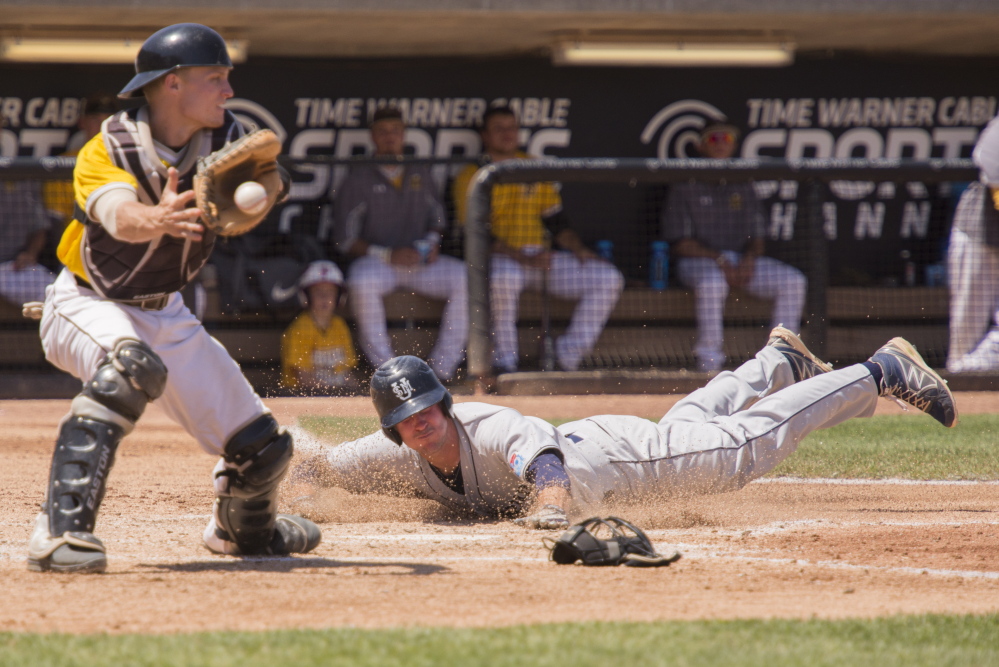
{"type": "Point", "coordinates": [403, 386]}
{"type": "Point", "coordinates": [173, 47]}
{"type": "Point", "coordinates": [320, 271]}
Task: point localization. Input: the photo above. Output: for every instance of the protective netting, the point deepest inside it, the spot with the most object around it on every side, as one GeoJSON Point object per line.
{"type": "Point", "coordinates": [686, 270]}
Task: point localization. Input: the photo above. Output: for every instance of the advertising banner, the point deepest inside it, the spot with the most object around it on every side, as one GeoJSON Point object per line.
{"type": "Point", "coordinates": [834, 107]}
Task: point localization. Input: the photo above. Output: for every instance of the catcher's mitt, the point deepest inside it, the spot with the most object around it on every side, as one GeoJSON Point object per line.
{"type": "Point", "coordinates": [252, 157]}
{"type": "Point", "coordinates": [610, 541]}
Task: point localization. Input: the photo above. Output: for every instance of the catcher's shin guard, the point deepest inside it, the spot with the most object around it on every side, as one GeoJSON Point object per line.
{"type": "Point", "coordinates": [100, 416]}
{"type": "Point", "coordinates": [245, 520]}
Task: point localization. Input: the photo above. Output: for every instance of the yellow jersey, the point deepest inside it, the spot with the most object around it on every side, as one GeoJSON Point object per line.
{"type": "Point", "coordinates": [517, 208]}
{"type": "Point", "coordinates": [328, 353]}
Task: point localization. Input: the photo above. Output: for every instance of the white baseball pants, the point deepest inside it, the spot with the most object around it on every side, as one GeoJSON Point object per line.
{"type": "Point", "coordinates": [371, 279]}
{"type": "Point", "coordinates": [740, 426]}
{"type": "Point", "coordinates": [595, 283]}
{"type": "Point", "coordinates": [205, 392]}
{"type": "Point", "coordinates": [774, 280]}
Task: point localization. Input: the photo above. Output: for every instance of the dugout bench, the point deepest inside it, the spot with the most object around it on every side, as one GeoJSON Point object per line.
{"type": "Point", "coordinates": [647, 329]}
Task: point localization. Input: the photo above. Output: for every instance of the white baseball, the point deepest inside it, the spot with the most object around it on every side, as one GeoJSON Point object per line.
{"type": "Point", "coordinates": [250, 197]}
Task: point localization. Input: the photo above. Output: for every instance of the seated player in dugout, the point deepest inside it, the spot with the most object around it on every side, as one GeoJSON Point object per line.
{"type": "Point", "coordinates": [389, 219]}
{"type": "Point", "coordinates": [716, 231]}
{"type": "Point", "coordinates": [317, 353]}
{"type": "Point", "coordinates": [24, 227]}
{"type": "Point", "coordinates": [496, 462]}
{"type": "Point", "coordinates": [525, 220]}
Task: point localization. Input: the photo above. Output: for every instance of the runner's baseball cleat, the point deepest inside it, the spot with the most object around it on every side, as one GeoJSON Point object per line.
{"type": "Point", "coordinates": [804, 364]}
{"type": "Point", "coordinates": [907, 378]}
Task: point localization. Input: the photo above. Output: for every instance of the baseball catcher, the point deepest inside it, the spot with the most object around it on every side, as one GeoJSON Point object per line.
{"type": "Point", "coordinates": [496, 462]}
{"type": "Point", "coordinates": [114, 317]}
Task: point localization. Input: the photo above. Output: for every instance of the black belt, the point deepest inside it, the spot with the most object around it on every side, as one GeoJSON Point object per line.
{"type": "Point", "coordinates": [155, 303]}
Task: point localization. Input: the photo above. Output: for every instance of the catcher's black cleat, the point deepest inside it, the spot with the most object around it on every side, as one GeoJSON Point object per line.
{"type": "Point", "coordinates": [906, 377]}
{"type": "Point", "coordinates": [74, 551]}
{"type": "Point", "coordinates": [70, 559]}
{"type": "Point", "coordinates": [294, 535]}
{"type": "Point", "coordinates": [804, 364]}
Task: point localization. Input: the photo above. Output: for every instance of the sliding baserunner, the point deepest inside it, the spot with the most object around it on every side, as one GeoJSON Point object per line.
{"type": "Point", "coordinates": [497, 462]}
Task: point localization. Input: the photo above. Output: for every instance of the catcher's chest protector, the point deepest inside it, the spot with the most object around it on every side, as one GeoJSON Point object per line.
{"type": "Point", "coordinates": [119, 270]}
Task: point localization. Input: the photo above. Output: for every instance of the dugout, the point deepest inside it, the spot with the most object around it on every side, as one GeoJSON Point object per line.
{"type": "Point", "coordinates": [647, 344]}
{"type": "Point", "coordinates": [859, 86]}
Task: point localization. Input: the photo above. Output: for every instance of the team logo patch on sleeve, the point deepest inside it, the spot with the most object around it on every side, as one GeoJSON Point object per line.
{"type": "Point", "coordinates": [517, 463]}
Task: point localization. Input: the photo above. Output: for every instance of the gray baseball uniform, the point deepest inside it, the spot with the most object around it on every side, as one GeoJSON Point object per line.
{"type": "Point", "coordinates": [738, 427]}
{"type": "Point", "coordinates": [370, 206]}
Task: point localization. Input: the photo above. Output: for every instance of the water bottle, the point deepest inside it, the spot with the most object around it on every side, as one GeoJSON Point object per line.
{"type": "Point", "coordinates": [605, 249]}
{"type": "Point", "coordinates": [659, 265]}
{"type": "Point", "coordinates": [936, 275]}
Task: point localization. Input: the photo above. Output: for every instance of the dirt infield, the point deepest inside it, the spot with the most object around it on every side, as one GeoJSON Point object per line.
{"type": "Point", "coordinates": [774, 549]}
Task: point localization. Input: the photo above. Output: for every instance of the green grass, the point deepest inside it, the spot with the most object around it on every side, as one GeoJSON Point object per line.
{"type": "Point", "coordinates": [902, 446]}
{"type": "Point", "coordinates": [913, 641]}
{"type": "Point", "coordinates": [909, 446]}
{"type": "Point", "coordinates": [338, 429]}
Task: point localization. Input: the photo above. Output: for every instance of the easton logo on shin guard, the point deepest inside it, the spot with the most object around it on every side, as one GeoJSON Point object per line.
{"type": "Point", "coordinates": [93, 497]}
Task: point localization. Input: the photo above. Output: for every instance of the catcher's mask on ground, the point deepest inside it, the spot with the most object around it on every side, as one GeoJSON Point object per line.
{"type": "Point", "coordinates": [173, 47]}
{"type": "Point", "coordinates": [403, 386]}
{"type": "Point", "coordinates": [321, 271]}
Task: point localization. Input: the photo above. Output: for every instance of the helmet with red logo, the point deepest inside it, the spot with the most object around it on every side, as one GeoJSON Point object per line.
{"type": "Point", "coordinates": [321, 271]}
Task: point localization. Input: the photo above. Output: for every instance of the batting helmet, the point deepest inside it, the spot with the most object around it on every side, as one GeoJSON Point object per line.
{"type": "Point", "coordinates": [320, 271]}
{"type": "Point", "coordinates": [173, 47]}
{"type": "Point", "coordinates": [403, 386]}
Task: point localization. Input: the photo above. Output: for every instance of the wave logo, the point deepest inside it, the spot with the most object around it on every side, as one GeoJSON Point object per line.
{"type": "Point", "coordinates": [255, 117]}
{"type": "Point", "coordinates": [680, 124]}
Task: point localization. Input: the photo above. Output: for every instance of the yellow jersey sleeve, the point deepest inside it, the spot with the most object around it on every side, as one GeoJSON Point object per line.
{"type": "Point", "coordinates": [549, 199]}
{"type": "Point", "coordinates": [93, 171]}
